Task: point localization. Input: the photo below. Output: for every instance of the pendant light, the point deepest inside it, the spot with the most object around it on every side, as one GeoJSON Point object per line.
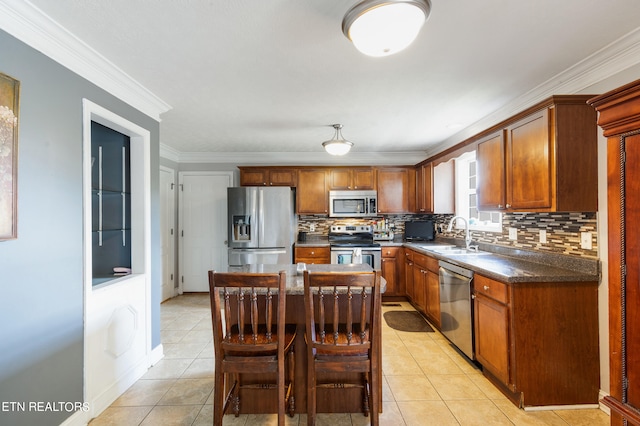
{"type": "Point", "coordinates": [338, 145]}
{"type": "Point", "coordinates": [385, 27]}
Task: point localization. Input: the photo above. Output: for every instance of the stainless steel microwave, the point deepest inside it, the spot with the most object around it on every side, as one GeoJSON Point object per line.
{"type": "Point", "coordinates": [353, 203]}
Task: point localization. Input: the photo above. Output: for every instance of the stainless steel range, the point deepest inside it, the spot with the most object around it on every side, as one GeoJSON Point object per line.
{"type": "Point", "coordinates": [354, 244]}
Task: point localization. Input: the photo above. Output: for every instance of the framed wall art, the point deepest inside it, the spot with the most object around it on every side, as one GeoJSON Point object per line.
{"type": "Point", "coordinates": [9, 112]}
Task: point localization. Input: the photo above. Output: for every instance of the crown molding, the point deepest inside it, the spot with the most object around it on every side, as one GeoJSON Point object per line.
{"type": "Point", "coordinates": [606, 62]}
{"type": "Point", "coordinates": [32, 26]}
{"type": "Point", "coordinates": [293, 158]}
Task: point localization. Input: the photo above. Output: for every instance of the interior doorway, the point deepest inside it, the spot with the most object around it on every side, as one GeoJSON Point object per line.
{"type": "Point", "coordinates": [203, 227]}
{"type": "Point", "coordinates": [167, 230]}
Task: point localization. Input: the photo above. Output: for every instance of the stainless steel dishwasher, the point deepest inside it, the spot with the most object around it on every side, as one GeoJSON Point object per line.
{"type": "Point", "coordinates": [456, 308]}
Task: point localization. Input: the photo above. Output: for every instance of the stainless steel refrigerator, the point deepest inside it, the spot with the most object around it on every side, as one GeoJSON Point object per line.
{"type": "Point", "coordinates": [261, 225]}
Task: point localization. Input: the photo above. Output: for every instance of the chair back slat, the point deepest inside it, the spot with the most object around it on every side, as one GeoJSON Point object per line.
{"type": "Point", "coordinates": [323, 334]}
{"type": "Point", "coordinates": [246, 309]}
{"type": "Point", "coordinates": [269, 311]}
{"type": "Point", "coordinates": [227, 314]}
{"type": "Point", "coordinates": [363, 317]}
{"type": "Point", "coordinates": [336, 315]}
{"type": "Point", "coordinates": [344, 319]}
{"type": "Point", "coordinates": [349, 315]}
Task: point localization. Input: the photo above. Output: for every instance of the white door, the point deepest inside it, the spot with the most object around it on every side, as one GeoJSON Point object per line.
{"type": "Point", "coordinates": [167, 230]}
{"type": "Point", "coordinates": [203, 227]}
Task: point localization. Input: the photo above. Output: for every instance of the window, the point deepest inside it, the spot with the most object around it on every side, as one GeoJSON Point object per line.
{"type": "Point", "coordinates": [466, 199]}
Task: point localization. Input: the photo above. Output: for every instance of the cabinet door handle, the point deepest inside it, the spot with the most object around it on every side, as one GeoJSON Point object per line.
{"type": "Point", "coordinates": [508, 206]}
{"type": "Point", "coordinates": [486, 288]}
{"type": "Point", "coordinates": [499, 206]}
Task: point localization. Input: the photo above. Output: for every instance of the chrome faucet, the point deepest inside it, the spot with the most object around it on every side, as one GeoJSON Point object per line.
{"type": "Point", "coordinates": [467, 235]}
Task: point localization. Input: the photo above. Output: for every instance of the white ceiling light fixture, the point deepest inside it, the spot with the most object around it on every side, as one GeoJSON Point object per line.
{"type": "Point", "coordinates": [385, 27]}
{"type": "Point", "coordinates": [338, 145]}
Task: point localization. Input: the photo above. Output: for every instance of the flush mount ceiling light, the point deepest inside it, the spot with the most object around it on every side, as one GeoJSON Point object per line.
{"type": "Point", "coordinates": [385, 27]}
{"type": "Point", "coordinates": [338, 145]}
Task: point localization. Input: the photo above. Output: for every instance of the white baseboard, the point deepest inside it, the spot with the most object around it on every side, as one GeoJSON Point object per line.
{"type": "Point", "coordinates": [79, 418]}
{"type": "Point", "coordinates": [156, 355]}
{"type": "Point", "coordinates": [113, 392]}
{"type": "Point", "coordinates": [603, 407]}
{"type": "Point", "coordinates": [82, 418]}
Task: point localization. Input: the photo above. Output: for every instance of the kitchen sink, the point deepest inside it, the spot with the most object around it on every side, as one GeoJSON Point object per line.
{"type": "Point", "coordinates": [454, 251]}
{"type": "Point", "coordinates": [433, 247]}
{"type": "Point", "coordinates": [459, 251]}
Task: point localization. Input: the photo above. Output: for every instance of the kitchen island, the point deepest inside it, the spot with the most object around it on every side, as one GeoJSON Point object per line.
{"type": "Point", "coordinates": [339, 400]}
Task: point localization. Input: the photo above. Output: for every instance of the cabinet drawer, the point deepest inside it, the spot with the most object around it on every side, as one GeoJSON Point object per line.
{"type": "Point", "coordinates": [490, 288]}
{"type": "Point", "coordinates": [390, 252]}
{"type": "Point", "coordinates": [318, 253]}
{"type": "Point", "coordinates": [432, 265]}
{"type": "Point", "coordinates": [408, 255]}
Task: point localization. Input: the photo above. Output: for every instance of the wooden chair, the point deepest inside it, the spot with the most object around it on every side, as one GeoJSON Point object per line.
{"type": "Point", "coordinates": [343, 334]}
{"type": "Point", "coordinates": [250, 336]}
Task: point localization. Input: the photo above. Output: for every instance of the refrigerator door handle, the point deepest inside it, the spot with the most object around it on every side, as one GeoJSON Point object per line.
{"type": "Point", "coordinates": [260, 217]}
{"type": "Point", "coordinates": [263, 251]}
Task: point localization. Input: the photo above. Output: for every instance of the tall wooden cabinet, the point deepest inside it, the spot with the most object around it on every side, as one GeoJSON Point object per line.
{"type": "Point", "coordinates": [620, 118]}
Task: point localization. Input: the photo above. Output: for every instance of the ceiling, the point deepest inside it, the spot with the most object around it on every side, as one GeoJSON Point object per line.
{"type": "Point", "coordinates": [265, 80]}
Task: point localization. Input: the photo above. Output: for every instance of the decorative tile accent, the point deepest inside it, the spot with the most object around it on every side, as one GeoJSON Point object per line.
{"type": "Point", "coordinates": [563, 230]}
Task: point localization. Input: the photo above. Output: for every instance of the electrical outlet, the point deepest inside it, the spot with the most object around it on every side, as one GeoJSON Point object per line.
{"type": "Point", "coordinates": [513, 234]}
{"type": "Point", "coordinates": [312, 227]}
{"type": "Point", "coordinates": [543, 236]}
{"type": "Point", "coordinates": [586, 241]}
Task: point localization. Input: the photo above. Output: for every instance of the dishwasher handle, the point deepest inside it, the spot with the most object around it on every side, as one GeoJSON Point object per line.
{"type": "Point", "coordinates": [456, 269]}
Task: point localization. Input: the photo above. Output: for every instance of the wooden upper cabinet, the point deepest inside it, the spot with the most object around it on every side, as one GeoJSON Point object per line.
{"type": "Point", "coordinates": [424, 188]}
{"type": "Point", "coordinates": [359, 178]}
{"type": "Point", "coordinates": [267, 176]}
{"type": "Point", "coordinates": [396, 189]}
{"type": "Point", "coordinates": [312, 192]}
{"type": "Point", "coordinates": [529, 155]}
{"type": "Point", "coordinates": [543, 160]}
{"type": "Point", "coordinates": [444, 195]}
{"type": "Point", "coordinates": [490, 168]}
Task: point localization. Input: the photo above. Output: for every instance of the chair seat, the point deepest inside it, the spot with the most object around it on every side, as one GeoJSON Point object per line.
{"type": "Point", "coordinates": [261, 346]}
{"type": "Point", "coordinates": [343, 345]}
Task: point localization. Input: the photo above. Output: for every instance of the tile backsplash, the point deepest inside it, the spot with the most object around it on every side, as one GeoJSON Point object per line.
{"type": "Point", "coordinates": [563, 230]}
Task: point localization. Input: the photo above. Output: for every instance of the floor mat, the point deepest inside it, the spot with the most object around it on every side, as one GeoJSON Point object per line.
{"type": "Point", "coordinates": [407, 321]}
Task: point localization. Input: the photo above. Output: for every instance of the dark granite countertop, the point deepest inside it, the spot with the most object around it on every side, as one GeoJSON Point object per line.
{"type": "Point", "coordinates": [502, 263]}
{"type": "Point", "coordinates": [314, 242]}
{"type": "Point", "coordinates": [518, 266]}
{"type": "Point", "coordinates": [295, 281]}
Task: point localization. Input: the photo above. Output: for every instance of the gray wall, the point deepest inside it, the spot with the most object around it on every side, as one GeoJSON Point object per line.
{"type": "Point", "coordinates": [41, 278]}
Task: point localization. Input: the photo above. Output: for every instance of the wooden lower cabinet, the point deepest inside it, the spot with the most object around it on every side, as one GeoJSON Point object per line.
{"type": "Point", "coordinates": [422, 284]}
{"type": "Point", "coordinates": [538, 342]}
{"type": "Point", "coordinates": [492, 338]}
{"type": "Point", "coordinates": [315, 254]}
{"type": "Point", "coordinates": [408, 273]}
{"type": "Point", "coordinates": [419, 282]}
{"type": "Point", "coordinates": [391, 270]}
{"type": "Point", "coordinates": [432, 291]}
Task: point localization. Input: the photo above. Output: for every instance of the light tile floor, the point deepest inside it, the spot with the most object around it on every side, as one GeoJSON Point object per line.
{"type": "Point", "coordinates": [426, 382]}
